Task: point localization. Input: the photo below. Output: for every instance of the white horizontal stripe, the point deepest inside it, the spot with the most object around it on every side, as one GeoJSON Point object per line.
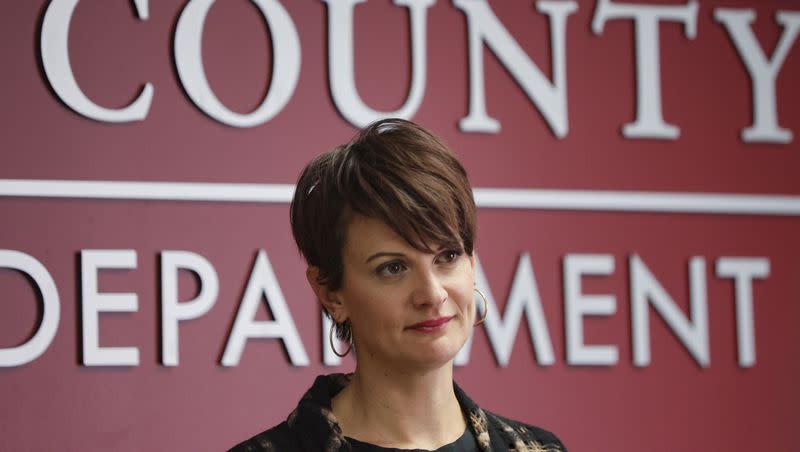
{"type": "Point", "coordinates": [161, 191]}
{"type": "Point", "coordinates": [513, 198]}
{"type": "Point", "coordinates": [642, 201]}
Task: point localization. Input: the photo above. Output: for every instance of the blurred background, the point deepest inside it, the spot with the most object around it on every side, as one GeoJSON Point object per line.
{"type": "Point", "coordinates": [635, 168]}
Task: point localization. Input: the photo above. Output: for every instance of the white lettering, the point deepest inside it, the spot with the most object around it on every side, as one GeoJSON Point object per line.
{"type": "Point", "coordinates": [341, 65]}
{"type": "Point", "coordinates": [94, 302]}
{"type": "Point", "coordinates": [549, 98]}
{"type": "Point", "coordinates": [171, 310]}
{"type": "Point", "coordinates": [51, 309]}
{"type": "Point", "coordinates": [743, 270]}
{"type": "Point", "coordinates": [58, 69]}
{"type": "Point", "coordinates": [285, 66]}
{"type": "Point", "coordinates": [763, 72]}
{"type": "Point", "coordinates": [646, 289]}
{"type": "Point", "coordinates": [577, 305]}
{"type": "Point", "coordinates": [263, 282]}
{"type": "Point", "coordinates": [502, 330]}
{"type": "Point", "coordinates": [649, 121]}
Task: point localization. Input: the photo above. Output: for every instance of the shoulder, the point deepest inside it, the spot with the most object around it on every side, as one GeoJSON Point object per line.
{"type": "Point", "coordinates": [492, 430]}
{"type": "Point", "coordinates": [310, 427]}
{"type": "Point", "coordinates": [523, 436]}
{"type": "Point", "coordinates": [276, 439]}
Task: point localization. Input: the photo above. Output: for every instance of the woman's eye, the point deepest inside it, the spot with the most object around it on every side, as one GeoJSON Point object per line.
{"type": "Point", "coordinates": [449, 256]}
{"type": "Point", "coordinates": [391, 268]}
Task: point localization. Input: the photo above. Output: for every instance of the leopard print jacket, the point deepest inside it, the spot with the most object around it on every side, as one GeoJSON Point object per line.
{"type": "Point", "coordinates": [311, 427]}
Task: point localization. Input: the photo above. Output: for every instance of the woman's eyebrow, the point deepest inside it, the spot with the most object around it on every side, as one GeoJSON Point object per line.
{"type": "Point", "coordinates": [448, 246]}
{"type": "Point", "coordinates": [384, 254]}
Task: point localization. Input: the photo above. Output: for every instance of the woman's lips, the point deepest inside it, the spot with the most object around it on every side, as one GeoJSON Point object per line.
{"type": "Point", "coordinates": [431, 325]}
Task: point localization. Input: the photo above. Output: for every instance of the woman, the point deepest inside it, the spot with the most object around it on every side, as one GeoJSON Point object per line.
{"type": "Point", "coordinates": [387, 226]}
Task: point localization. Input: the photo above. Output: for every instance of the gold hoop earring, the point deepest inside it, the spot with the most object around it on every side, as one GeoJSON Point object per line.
{"type": "Point", "coordinates": [333, 347]}
{"type": "Point", "coordinates": [485, 306]}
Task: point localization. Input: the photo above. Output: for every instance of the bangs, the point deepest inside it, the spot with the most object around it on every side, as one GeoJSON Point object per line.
{"type": "Point", "coordinates": [412, 190]}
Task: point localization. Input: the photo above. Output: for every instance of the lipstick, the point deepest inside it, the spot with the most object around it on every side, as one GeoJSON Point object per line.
{"type": "Point", "coordinates": [432, 325]}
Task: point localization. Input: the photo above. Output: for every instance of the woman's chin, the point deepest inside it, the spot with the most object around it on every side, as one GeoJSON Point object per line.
{"type": "Point", "coordinates": [436, 353]}
{"type": "Point", "coordinates": [417, 351]}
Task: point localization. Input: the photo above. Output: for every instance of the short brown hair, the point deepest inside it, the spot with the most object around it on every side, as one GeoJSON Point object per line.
{"type": "Point", "coordinates": [394, 171]}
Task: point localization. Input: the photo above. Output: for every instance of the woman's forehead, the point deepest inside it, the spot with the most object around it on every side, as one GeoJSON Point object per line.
{"type": "Point", "coordinates": [367, 236]}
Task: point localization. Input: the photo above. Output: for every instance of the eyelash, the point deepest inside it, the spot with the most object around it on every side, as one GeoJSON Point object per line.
{"type": "Point", "coordinates": [383, 269]}
{"type": "Point", "coordinates": [448, 256]}
{"type": "Point", "coordinates": [454, 253]}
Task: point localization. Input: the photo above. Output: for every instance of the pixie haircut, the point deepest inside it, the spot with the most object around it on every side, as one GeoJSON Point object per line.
{"type": "Point", "coordinates": [393, 171]}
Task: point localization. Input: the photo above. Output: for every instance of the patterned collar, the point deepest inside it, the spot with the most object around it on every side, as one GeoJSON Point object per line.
{"type": "Point", "coordinates": [321, 431]}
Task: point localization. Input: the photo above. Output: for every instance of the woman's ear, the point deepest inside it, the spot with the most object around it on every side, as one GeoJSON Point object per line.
{"type": "Point", "coordinates": [329, 299]}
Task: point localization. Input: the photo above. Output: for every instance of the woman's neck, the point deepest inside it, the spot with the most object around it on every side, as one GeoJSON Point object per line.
{"type": "Point", "coordinates": [400, 409]}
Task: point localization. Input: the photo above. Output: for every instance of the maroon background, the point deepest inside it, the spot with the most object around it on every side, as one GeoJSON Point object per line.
{"type": "Point", "coordinates": [673, 404]}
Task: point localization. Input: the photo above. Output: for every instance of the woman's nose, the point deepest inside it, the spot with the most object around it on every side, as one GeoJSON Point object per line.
{"type": "Point", "coordinates": [429, 290]}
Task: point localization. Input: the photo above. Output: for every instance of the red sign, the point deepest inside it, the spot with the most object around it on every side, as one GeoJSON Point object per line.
{"type": "Point", "coordinates": [632, 166]}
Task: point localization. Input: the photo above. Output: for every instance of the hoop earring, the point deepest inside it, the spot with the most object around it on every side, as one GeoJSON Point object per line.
{"type": "Point", "coordinates": [485, 306]}
{"type": "Point", "coordinates": [333, 347]}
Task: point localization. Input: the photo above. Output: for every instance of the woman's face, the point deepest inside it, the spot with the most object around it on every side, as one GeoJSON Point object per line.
{"type": "Point", "coordinates": [407, 308]}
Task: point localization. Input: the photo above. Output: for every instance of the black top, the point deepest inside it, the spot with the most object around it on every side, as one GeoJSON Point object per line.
{"type": "Point", "coordinates": [466, 443]}
{"type": "Point", "coordinates": [312, 427]}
